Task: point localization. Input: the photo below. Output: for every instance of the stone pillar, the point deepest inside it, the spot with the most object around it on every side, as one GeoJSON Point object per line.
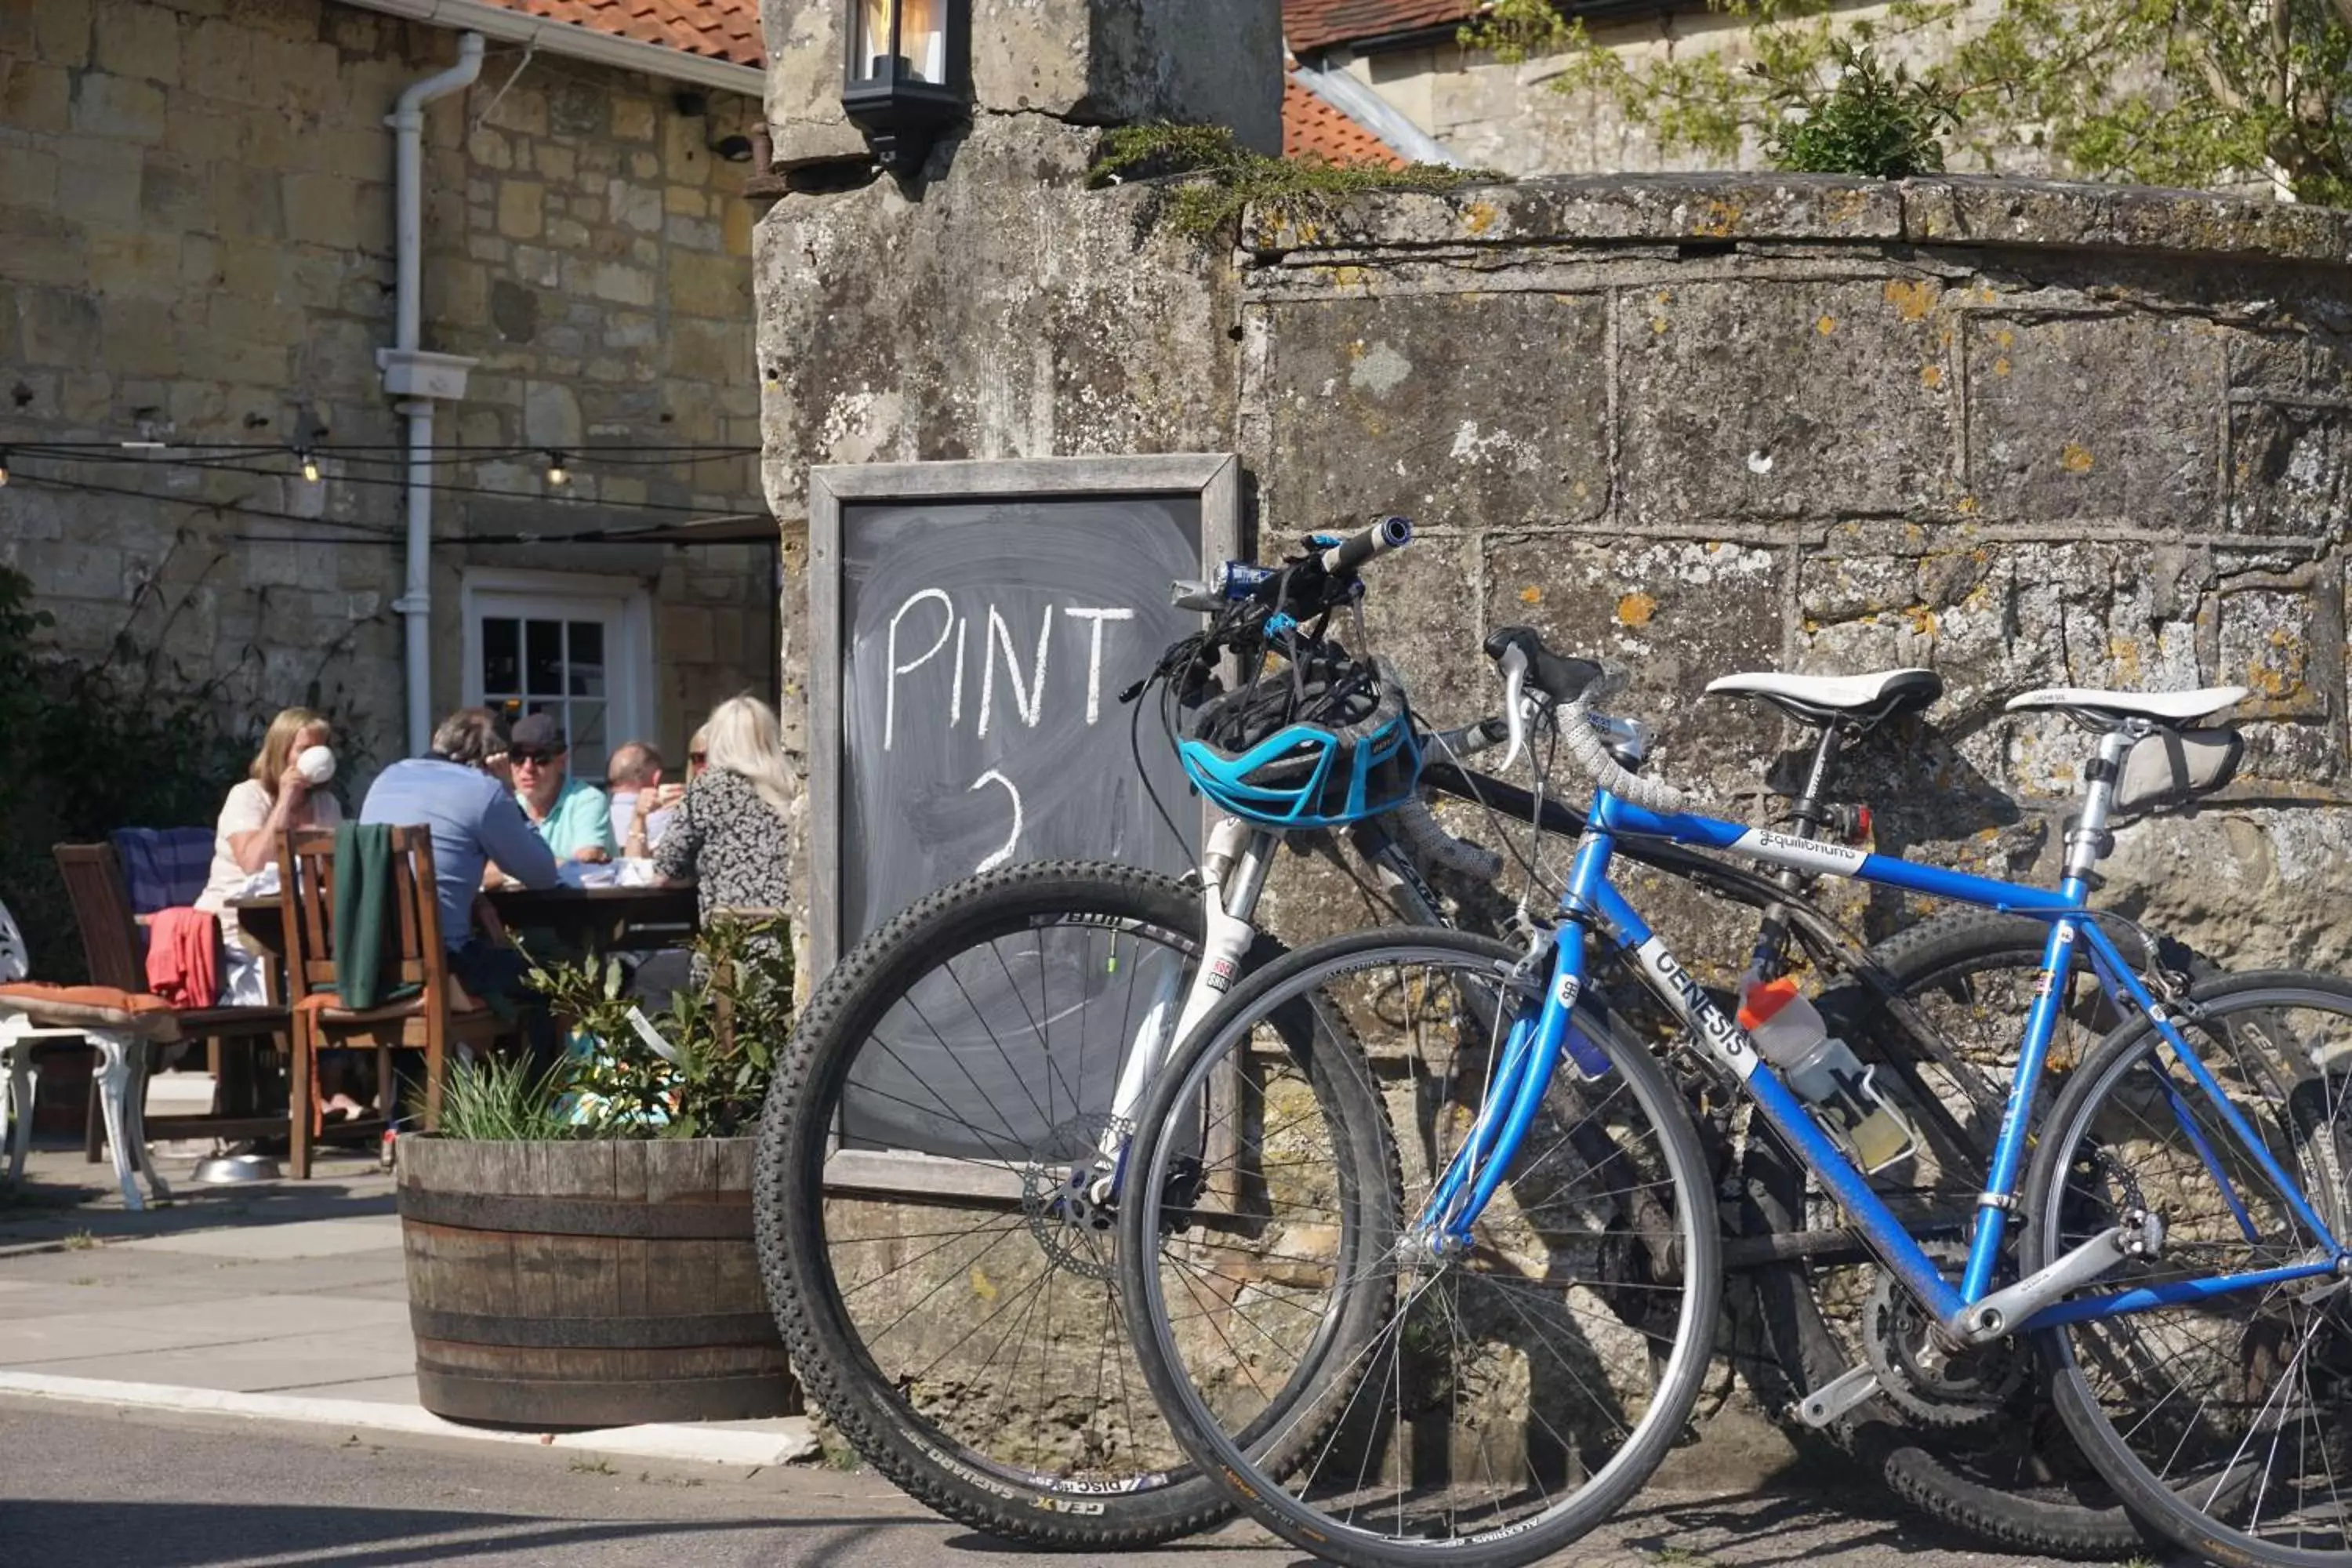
{"type": "Point", "coordinates": [1087, 62]}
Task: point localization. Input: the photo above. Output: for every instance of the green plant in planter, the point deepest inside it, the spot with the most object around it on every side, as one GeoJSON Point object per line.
{"type": "Point", "coordinates": [700, 1067]}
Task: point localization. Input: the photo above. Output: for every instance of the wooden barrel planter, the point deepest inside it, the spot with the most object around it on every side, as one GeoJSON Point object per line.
{"type": "Point", "coordinates": [591, 1284]}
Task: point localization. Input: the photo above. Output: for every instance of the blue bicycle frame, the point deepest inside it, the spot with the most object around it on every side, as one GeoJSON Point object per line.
{"type": "Point", "coordinates": [1537, 1041]}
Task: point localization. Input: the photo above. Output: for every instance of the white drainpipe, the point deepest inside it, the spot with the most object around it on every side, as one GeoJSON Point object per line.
{"type": "Point", "coordinates": [419, 377]}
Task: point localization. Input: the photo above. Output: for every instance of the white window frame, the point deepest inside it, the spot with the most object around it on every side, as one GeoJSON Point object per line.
{"type": "Point", "coordinates": [624, 602]}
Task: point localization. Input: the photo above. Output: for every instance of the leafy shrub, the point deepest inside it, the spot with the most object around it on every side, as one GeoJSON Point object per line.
{"type": "Point", "coordinates": [86, 749]}
{"type": "Point", "coordinates": [1872, 120]}
{"type": "Point", "coordinates": [719, 1036]}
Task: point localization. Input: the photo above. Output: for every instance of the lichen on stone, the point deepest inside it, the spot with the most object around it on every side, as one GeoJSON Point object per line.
{"type": "Point", "coordinates": [1218, 176]}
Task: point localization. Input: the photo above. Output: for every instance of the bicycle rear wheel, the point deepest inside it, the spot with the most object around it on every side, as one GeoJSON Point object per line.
{"type": "Point", "coordinates": [948, 1294]}
{"type": "Point", "coordinates": [1485, 1407]}
{"type": "Point", "coordinates": [2227, 1423]}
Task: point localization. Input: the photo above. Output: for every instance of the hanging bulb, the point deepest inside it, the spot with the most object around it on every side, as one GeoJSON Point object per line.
{"type": "Point", "coordinates": [309, 464]}
{"type": "Point", "coordinates": [556, 472]}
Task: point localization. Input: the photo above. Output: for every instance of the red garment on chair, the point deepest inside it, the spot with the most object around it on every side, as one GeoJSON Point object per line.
{"type": "Point", "coordinates": [183, 957]}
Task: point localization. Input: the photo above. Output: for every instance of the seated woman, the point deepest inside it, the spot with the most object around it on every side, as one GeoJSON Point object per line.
{"type": "Point", "coordinates": [277, 796]}
{"type": "Point", "coordinates": [728, 832]}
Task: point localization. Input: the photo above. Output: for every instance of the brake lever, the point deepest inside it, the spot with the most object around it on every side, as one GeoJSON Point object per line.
{"type": "Point", "coordinates": [1515, 684]}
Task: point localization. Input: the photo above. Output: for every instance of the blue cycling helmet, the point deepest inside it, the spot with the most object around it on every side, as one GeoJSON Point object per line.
{"type": "Point", "coordinates": [1294, 750]}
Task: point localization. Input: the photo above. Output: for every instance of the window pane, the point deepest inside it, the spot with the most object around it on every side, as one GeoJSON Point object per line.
{"type": "Point", "coordinates": [542, 665]}
{"type": "Point", "coordinates": [587, 659]}
{"type": "Point", "coordinates": [502, 657]}
{"type": "Point", "coordinates": [589, 745]}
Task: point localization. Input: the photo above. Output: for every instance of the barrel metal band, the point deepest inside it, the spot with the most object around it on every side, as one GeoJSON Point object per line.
{"type": "Point", "coordinates": [688, 1220]}
{"type": "Point", "coordinates": [696, 1331]}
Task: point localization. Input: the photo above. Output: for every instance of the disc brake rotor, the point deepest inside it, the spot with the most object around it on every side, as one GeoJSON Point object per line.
{"type": "Point", "coordinates": [1071, 1229]}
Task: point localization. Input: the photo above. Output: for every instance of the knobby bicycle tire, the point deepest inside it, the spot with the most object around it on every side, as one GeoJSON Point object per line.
{"type": "Point", "coordinates": [828, 1353]}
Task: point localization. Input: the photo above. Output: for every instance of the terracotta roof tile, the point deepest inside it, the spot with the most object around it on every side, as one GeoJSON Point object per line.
{"type": "Point", "coordinates": [1310, 125]}
{"type": "Point", "coordinates": [725, 30]}
{"type": "Point", "coordinates": [1309, 25]}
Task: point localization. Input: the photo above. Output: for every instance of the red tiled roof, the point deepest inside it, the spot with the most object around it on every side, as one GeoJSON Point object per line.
{"type": "Point", "coordinates": [725, 30]}
{"type": "Point", "coordinates": [1319, 23]}
{"type": "Point", "coordinates": [1310, 125]}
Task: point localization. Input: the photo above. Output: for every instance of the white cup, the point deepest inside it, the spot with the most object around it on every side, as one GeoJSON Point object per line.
{"type": "Point", "coordinates": [316, 764]}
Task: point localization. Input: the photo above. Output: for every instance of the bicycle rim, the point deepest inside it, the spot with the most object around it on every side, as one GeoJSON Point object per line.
{"type": "Point", "coordinates": [2228, 1423]}
{"type": "Point", "coordinates": [1486, 1409]}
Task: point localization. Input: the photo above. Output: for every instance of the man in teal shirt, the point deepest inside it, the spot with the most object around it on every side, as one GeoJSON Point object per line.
{"type": "Point", "coordinates": [573, 818]}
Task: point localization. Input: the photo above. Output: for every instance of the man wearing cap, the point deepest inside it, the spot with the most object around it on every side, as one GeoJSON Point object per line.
{"type": "Point", "coordinates": [570, 816]}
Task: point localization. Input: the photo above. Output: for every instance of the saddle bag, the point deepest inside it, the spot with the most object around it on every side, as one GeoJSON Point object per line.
{"type": "Point", "coordinates": [2173, 767]}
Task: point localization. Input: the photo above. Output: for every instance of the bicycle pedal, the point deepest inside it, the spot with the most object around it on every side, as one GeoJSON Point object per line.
{"type": "Point", "coordinates": [1838, 1395]}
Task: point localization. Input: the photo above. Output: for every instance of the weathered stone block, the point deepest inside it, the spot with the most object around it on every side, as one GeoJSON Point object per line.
{"type": "Point", "coordinates": [522, 208]}
{"type": "Point", "coordinates": [2290, 467]}
{"type": "Point", "coordinates": [1675, 613]}
{"type": "Point", "coordinates": [57, 326]}
{"type": "Point", "coordinates": [684, 635]}
{"type": "Point", "coordinates": [98, 182]}
{"type": "Point", "coordinates": [140, 264]}
{"type": "Point", "coordinates": [1460, 409]}
{"type": "Point", "coordinates": [2113, 416]}
{"type": "Point", "coordinates": [140, 41]}
{"type": "Point", "coordinates": [33, 97]}
{"type": "Point", "coordinates": [28, 179]}
{"type": "Point", "coordinates": [322, 209]}
{"type": "Point", "coordinates": [1799, 399]}
{"type": "Point", "coordinates": [62, 30]}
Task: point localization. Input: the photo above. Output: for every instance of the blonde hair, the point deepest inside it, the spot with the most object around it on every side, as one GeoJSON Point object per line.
{"type": "Point", "coordinates": [741, 738]}
{"type": "Point", "coordinates": [270, 763]}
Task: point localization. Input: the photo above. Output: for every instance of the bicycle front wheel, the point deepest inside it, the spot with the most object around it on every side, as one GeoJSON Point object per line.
{"type": "Point", "coordinates": [2225, 1422]}
{"type": "Point", "coordinates": [943, 1280]}
{"type": "Point", "coordinates": [1486, 1405]}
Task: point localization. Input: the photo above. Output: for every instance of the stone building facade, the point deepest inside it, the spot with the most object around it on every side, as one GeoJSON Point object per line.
{"type": "Point", "coordinates": [198, 248]}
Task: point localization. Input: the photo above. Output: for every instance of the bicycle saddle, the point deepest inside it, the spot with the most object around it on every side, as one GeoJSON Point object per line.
{"type": "Point", "coordinates": [2163, 707]}
{"type": "Point", "coordinates": [1823, 699]}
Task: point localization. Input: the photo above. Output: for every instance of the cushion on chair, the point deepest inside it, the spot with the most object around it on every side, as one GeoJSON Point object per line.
{"type": "Point", "coordinates": [93, 1007]}
{"type": "Point", "coordinates": [164, 868]}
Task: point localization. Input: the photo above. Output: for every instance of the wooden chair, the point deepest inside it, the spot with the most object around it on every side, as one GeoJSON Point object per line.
{"type": "Point", "coordinates": [110, 946]}
{"type": "Point", "coordinates": [434, 1014]}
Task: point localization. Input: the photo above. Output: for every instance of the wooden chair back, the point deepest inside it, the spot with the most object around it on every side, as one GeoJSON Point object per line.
{"type": "Point", "coordinates": [101, 907]}
{"type": "Point", "coordinates": [412, 953]}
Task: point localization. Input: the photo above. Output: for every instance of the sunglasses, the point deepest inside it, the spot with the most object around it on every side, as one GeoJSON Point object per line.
{"type": "Point", "coordinates": [697, 758]}
{"type": "Point", "coordinates": [520, 755]}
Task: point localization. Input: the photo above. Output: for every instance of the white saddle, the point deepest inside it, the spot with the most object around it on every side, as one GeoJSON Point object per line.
{"type": "Point", "coordinates": [1885, 691]}
{"type": "Point", "coordinates": [2169, 707]}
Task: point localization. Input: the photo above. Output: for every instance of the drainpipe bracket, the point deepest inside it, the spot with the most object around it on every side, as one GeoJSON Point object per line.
{"type": "Point", "coordinates": [418, 373]}
{"type": "Point", "coordinates": [414, 605]}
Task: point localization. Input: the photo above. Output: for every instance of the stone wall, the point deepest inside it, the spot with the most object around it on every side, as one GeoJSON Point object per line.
{"type": "Point", "coordinates": [195, 246]}
{"type": "Point", "coordinates": [2020, 432]}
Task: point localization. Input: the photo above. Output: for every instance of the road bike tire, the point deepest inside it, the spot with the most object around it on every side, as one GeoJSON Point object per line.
{"type": "Point", "coordinates": [2119, 1138]}
{"type": "Point", "coordinates": [946, 1447]}
{"type": "Point", "coordinates": [1315, 1226]}
{"type": "Point", "coordinates": [2015, 1481]}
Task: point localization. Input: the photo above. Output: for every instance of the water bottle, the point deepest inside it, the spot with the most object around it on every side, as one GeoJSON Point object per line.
{"type": "Point", "coordinates": [1822, 1070]}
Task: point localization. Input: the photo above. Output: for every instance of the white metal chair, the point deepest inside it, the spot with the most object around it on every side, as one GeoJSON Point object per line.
{"type": "Point", "coordinates": [19, 1039]}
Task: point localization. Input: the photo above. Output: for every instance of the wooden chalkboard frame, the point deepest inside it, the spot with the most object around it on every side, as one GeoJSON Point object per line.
{"type": "Point", "coordinates": [1213, 477]}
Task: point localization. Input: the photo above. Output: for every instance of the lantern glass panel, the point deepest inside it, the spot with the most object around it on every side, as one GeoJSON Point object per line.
{"type": "Point", "coordinates": [922, 45]}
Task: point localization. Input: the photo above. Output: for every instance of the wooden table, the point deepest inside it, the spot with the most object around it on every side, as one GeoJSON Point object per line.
{"type": "Point", "coordinates": [586, 919]}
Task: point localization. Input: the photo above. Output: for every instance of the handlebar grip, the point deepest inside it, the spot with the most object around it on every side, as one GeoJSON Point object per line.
{"type": "Point", "coordinates": [1558, 677]}
{"type": "Point", "coordinates": [1389, 533]}
{"type": "Point", "coordinates": [1590, 754]}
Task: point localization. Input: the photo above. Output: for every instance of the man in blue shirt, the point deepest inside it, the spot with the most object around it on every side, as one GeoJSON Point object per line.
{"type": "Point", "coordinates": [474, 822]}
{"type": "Point", "coordinates": [570, 814]}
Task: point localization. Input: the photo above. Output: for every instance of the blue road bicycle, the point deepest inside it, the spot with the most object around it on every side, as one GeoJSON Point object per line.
{"type": "Point", "coordinates": [1500, 1318]}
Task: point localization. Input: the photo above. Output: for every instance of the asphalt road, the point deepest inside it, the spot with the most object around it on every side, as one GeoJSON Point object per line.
{"type": "Point", "coordinates": [85, 1487]}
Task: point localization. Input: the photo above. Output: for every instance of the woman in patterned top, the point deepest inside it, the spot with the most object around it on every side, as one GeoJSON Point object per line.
{"type": "Point", "coordinates": [729, 831]}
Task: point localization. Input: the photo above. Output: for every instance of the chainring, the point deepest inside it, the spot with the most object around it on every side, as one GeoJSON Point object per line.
{"type": "Point", "coordinates": [1931, 1384]}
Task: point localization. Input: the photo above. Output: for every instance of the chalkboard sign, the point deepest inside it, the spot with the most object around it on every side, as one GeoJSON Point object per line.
{"type": "Point", "coordinates": [971, 625]}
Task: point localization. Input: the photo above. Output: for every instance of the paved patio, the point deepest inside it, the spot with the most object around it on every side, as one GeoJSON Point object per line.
{"type": "Point", "coordinates": [280, 1301]}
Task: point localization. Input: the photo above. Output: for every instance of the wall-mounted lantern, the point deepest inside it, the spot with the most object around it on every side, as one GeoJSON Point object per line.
{"type": "Point", "coordinates": [907, 75]}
